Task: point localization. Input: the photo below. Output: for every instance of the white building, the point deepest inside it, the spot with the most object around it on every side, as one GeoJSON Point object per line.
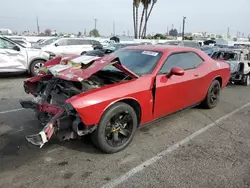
{"type": "Point", "coordinates": [5, 31]}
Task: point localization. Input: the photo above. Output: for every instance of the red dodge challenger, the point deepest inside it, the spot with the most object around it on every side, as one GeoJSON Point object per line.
{"type": "Point", "coordinates": [110, 97]}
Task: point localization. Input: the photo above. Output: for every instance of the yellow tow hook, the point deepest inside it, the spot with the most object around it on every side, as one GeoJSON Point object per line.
{"type": "Point", "coordinates": [115, 129]}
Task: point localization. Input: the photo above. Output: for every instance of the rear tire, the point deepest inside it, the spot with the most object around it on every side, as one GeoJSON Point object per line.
{"type": "Point", "coordinates": [116, 129]}
{"type": "Point", "coordinates": [213, 95]}
{"type": "Point", "coordinates": [35, 66]}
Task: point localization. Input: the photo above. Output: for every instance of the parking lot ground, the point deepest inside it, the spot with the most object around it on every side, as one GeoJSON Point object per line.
{"type": "Point", "coordinates": [216, 157]}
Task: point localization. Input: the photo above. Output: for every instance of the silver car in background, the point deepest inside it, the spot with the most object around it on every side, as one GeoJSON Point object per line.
{"type": "Point", "coordinates": [16, 58]}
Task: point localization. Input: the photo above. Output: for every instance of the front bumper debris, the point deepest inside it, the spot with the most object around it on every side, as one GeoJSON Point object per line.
{"type": "Point", "coordinates": [43, 136]}
{"type": "Point", "coordinates": [46, 133]}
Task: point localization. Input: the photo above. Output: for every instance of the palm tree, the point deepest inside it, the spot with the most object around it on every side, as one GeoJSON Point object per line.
{"type": "Point", "coordinates": [144, 2]}
{"type": "Point", "coordinates": [136, 4]}
{"type": "Point", "coordinates": [144, 32]}
{"type": "Point", "coordinates": [146, 5]}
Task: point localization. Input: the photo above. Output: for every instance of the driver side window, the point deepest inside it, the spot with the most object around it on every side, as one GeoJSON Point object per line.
{"type": "Point", "coordinates": [4, 44]}
{"type": "Point", "coordinates": [184, 60]}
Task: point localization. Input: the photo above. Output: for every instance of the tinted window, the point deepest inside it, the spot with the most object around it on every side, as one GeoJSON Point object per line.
{"type": "Point", "coordinates": [62, 42]}
{"type": "Point", "coordinates": [49, 41]}
{"type": "Point", "coordinates": [138, 61]}
{"type": "Point", "coordinates": [187, 60]}
{"type": "Point", "coordinates": [82, 42]}
{"type": "Point", "coordinates": [95, 42]}
{"type": "Point", "coordinates": [72, 42]}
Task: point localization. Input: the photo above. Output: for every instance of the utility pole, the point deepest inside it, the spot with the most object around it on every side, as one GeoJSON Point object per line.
{"type": "Point", "coordinates": [37, 26]}
{"type": "Point", "coordinates": [95, 22]}
{"type": "Point", "coordinates": [228, 32]}
{"type": "Point", "coordinates": [183, 27]}
{"type": "Point", "coordinates": [114, 28]}
{"type": "Point", "coordinates": [167, 31]}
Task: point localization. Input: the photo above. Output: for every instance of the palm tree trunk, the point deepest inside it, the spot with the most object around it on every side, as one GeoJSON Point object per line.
{"type": "Point", "coordinates": [144, 31]}
{"type": "Point", "coordinates": [142, 16]}
{"type": "Point", "coordinates": [134, 20]}
{"type": "Point", "coordinates": [146, 21]}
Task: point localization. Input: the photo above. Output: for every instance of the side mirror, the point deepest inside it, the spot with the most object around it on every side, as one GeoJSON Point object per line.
{"type": "Point", "coordinates": [56, 44]}
{"type": "Point", "coordinates": [176, 71]}
{"type": "Point", "coordinates": [16, 48]}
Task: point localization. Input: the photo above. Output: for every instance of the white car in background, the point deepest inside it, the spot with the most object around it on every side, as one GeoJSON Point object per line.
{"type": "Point", "coordinates": [17, 58]}
{"type": "Point", "coordinates": [23, 42]}
{"type": "Point", "coordinates": [20, 40]}
{"type": "Point", "coordinates": [68, 46]}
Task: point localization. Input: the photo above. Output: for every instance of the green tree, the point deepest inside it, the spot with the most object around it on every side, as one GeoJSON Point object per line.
{"type": "Point", "coordinates": [79, 33]}
{"type": "Point", "coordinates": [94, 33]}
{"type": "Point", "coordinates": [141, 30]}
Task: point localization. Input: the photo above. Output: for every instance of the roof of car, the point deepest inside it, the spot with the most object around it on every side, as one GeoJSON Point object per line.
{"type": "Point", "coordinates": [160, 48]}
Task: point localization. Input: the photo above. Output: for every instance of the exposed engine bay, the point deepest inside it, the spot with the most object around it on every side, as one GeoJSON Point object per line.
{"type": "Point", "coordinates": [56, 91]}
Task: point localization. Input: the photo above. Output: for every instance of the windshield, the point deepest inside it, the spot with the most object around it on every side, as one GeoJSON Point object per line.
{"type": "Point", "coordinates": [49, 41]}
{"type": "Point", "coordinates": [138, 61]}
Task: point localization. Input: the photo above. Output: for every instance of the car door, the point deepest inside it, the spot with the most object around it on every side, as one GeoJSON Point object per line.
{"type": "Point", "coordinates": [71, 47]}
{"type": "Point", "coordinates": [178, 92]}
{"type": "Point", "coordinates": [12, 57]}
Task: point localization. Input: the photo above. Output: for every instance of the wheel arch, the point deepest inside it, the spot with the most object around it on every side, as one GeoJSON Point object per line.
{"type": "Point", "coordinates": [219, 78]}
{"type": "Point", "coordinates": [131, 102]}
{"type": "Point", "coordinates": [33, 60]}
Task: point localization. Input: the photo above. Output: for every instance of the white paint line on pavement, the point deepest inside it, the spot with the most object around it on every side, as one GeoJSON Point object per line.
{"type": "Point", "coordinates": [14, 110]}
{"type": "Point", "coordinates": [142, 166]}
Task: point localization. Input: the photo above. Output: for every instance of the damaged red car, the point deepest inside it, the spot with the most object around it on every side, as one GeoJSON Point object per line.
{"type": "Point", "coordinates": [110, 97]}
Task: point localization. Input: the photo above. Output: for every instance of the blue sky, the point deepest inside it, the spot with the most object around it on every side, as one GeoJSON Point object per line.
{"type": "Point", "coordinates": [77, 15]}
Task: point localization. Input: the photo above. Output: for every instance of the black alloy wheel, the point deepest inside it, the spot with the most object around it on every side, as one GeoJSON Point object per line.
{"type": "Point", "coordinates": [213, 95]}
{"type": "Point", "coordinates": [116, 129]}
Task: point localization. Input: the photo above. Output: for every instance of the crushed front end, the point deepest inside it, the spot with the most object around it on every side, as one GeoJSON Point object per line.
{"type": "Point", "coordinates": [53, 112]}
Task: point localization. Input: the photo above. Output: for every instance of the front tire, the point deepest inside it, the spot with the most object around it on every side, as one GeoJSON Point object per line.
{"type": "Point", "coordinates": [213, 95]}
{"type": "Point", "coordinates": [116, 129]}
{"type": "Point", "coordinates": [35, 66]}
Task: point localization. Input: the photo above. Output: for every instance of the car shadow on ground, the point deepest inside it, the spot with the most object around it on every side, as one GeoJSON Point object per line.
{"type": "Point", "coordinates": [16, 151]}
{"type": "Point", "coordinates": [14, 75]}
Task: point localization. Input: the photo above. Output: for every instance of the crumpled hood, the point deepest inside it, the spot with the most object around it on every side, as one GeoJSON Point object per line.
{"type": "Point", "coordinates": [82, 67]}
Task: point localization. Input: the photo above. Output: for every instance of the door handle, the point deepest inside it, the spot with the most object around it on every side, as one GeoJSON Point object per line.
{"type": "Point", "coordinates": [196, 75]}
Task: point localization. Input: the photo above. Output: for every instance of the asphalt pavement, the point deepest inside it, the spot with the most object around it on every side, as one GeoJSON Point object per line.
{"type": "Point", "coordinates": [192, 148]}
